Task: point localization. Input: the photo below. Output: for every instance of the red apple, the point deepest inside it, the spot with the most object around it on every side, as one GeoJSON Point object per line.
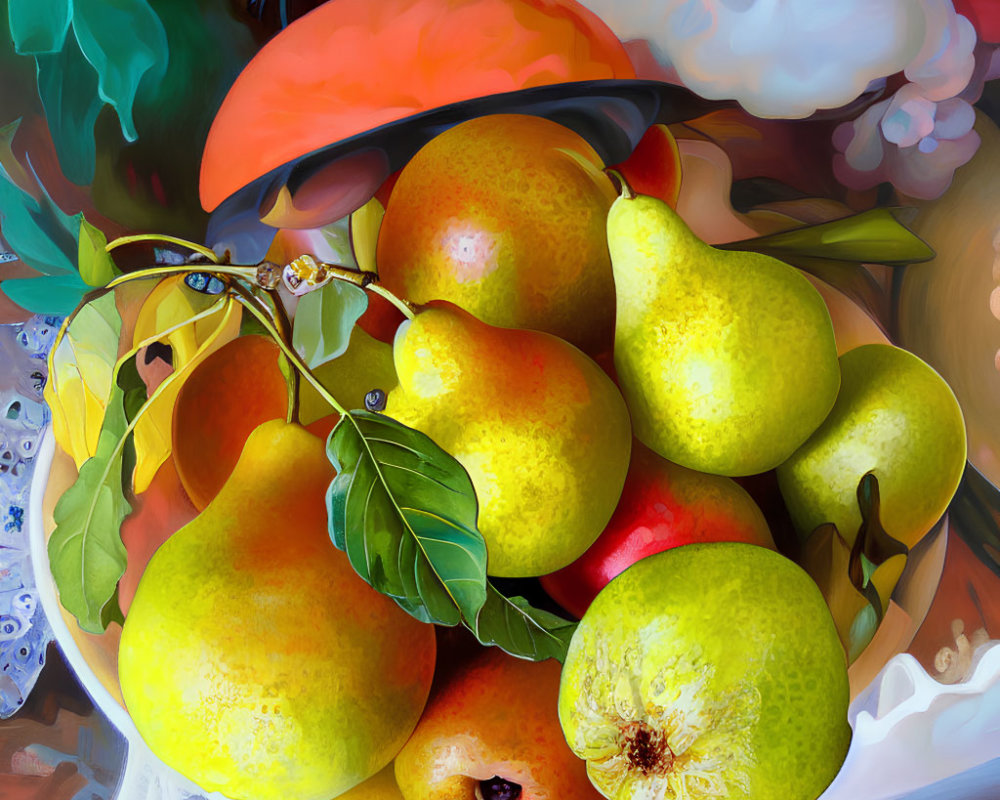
{"type": "Point", "coordinates": [491, 732]}
{"type": "Point", "coordinates": [663, 505]}
{"type": "Point", "coordinates": [654, 167]}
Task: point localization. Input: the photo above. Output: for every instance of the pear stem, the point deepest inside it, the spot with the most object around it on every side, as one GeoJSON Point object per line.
{"type": "Point", "coordinates": [369, 281]}
{"type": "Point", "coordinates": [249, 303]}
{"type": "Point", "coordinates": [404, 306]}
{"type": "Point", "coordinates": [159, 237]}
{"type": "Point", "coordinates": [247, 273]}
{"type": "Point", "coordinates": [625, 190]}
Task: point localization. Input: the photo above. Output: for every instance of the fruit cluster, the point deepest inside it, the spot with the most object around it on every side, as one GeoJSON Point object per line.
{"type": "Point", "coordinates": [352, 519]}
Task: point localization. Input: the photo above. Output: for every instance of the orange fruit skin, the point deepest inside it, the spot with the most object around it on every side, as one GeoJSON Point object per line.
{"type": "Point", "coordinates": [495, 717]}
{"type": "Point", "coordinates": [254, 660]}
{"type": "Point", "coordinates": [505, 215]}
{"type": "Point", "coordinates": [223, 399]}
{"type": "Point", "coordinates": [159, 511]}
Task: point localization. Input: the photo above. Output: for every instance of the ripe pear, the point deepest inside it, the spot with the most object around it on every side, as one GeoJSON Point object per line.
{"type": "Point", "coordinates": [727, 360]}
{"type": "Point", "coordinates": [895, 417]}
{"type": "Point", "coordinates": [253, 659]}
{"type": "Point", "coordinates": [542, 431]}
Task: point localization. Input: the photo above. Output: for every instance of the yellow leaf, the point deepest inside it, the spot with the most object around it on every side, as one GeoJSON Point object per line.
{"type": "Point", "coordinates": [886, 576]}
{"type": "Point", "coordinates": [365, 224]}
{"type": "Point", "coordinates": [81, 372]}
{"type": "Point", "coordinates": [166, 316]}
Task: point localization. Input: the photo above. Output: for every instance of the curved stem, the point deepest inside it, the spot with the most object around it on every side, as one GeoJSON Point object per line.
{"type": "Point", "coordinates": [405, 307]}
{"type": "Point", "coordinates": [626, 191]}
{"type": "Point", "coordinates": [159, 237]}
{"type": "Point", "coordinates": [247, 273]}
{"type": "Point", "coordinates": [250, 303]}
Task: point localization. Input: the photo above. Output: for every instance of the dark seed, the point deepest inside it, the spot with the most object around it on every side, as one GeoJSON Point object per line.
{"type": "Point", "coordinates": [497, 788]}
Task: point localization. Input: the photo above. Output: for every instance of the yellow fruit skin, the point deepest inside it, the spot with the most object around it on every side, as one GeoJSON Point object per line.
{"type": "Point", "coordinates": [727, 360]}
{"type": "Point", "coordinates": [504, 215]}
{"type": "Point", "coordinates": [365, 365]}
{"type": "Point", "coordinates": [253, 659]}
{"type": "Point", "coordinates": [725, 656]}
{"type": "Point", "coordinates": [896, 417]}
{"type": "Point", "coordinates": [542, 431]}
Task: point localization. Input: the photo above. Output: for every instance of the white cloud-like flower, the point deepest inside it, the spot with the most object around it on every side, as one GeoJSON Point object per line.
{"type": "Point", "coordinates": [778, 58]}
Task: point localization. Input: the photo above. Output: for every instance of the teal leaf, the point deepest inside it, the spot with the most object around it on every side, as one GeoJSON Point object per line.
{"type": "Point", "coordinates": [405, 511]}
{"type": "Point", "coordinates": [324, 319]}
{"type": "Point", "coordinates": [514, 626]}
{"type": "Point", "coordinates": [123, 40]}
{"type": "Point", "coordinates": [94, 261]}
{"type": "Point", "coordinates": [862, 631]}
{"type": "Point", "coordinates": [48, 294]}
{"type": "Point", "coordinates": [86, 554]}
{"type": "Point", "coordinates": [39, 26]}
{"type": "Point", "coordinates": [42, 236]}
{"type": "Point", "coordinates": [67, 86]}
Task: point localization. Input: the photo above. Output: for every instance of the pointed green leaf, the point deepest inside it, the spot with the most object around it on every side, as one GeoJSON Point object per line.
{"type": "Point", "coordinates": [405, 511]}
{"type": "Point", "coordinates": [324, 320]}
{"type": "Point", "coordinates": [39, 26]}
{"type": "Point", "coordinates": [514, 626]}
{"type": "Point", "coordinates": [86, 554]}
{"type": "Point", "coordinates": [48, 294]}
{"type": "Point", "coordinates": [871, 237]}
{"type": "Point", "coordinates": [95, 263]}
{"type": "Point", "coordinates": [67, 86]}
{"type": "Point", "coordinates": [42, 236]}
{"type": "Point", "coordinates": [123, 40]}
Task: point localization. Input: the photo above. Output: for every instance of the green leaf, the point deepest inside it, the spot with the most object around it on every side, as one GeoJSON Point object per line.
{"type": "Point", "coordinates": [514, 626]}
{"type": "Point", "coordinates": [67, 86]}
{"type": "Point", "coordinates": [48, 294]}
{"type": "Point", "coordinates": [835, 251]}
{"type": "Point", "coordinates": [39, 26]}
{"type": "Point", "coordinates": [86, 554]}
{"type": "Point", "coordinates": [124, 41]}
{"type": "Point", "coordinates": [324, 319]}
{"type": "Point", "coordinates": [43, 236]}
{"type": "Point", "coordinates": [95, 263]}
{"type": "Point", "coordinates": [871, 237]}
{"type": "Point", "coordinates": [405, 511]}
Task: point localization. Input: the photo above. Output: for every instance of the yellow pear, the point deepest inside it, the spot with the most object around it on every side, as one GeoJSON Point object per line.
{"type": "Point", "coordinates": [895, 417]}
{"type": "Point", "coordinates": [542, 431]}
{"type": "Point", "coordinates": [727, 360]}
{"type": "Point", "coordinates": [253, 659]}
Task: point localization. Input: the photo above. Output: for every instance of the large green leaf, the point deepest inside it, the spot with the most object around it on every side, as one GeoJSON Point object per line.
{"type": "Point", "coordinates": [405, 511]}
{"type": "Point", "coordinates": [67, 86]}
{"type": "Point", "coordinates": [39, 26]}
{"type": "Point", "coordinates": [515, 626]}
{"type": "Point", "coordinates": [124, 41]}
{"type": "Point", "coordinates": [324, 320]}
{"type": "Point", "coordinates": [47, 294]}
{"type": "Point", "coordinates": [86, 554]}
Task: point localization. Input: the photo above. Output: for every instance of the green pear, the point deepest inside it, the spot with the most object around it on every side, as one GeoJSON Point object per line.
{"type": "Point", "coordinates": [894, 417]}
{"type": "Point", "coordinates": [727, 360]}
{"type": "Point", "coordinates": [542, 431]}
